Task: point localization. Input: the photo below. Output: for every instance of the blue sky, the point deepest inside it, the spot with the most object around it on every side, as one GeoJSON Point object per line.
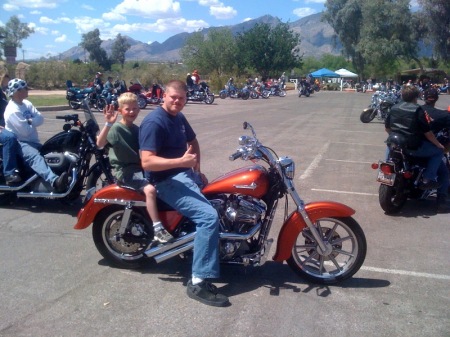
{"type": "Point", "coordinates": [59, 24]}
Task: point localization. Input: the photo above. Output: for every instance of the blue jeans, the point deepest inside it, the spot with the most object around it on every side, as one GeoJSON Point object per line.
{"type": "Point", "coordinates": [443, 180]}
{"type": "Point", "coordinates": [181, 193]}
{"type": "Point", "coordinates": [10, 151]}
{"type": "Point", "coordinates": [434, 155]}
{"type": "Point", "coordinates": [34, 159]}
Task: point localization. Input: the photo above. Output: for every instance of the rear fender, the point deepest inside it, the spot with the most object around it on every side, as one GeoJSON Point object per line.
{"type": "Point", "coordinates": [295, 224]}
{"type": "Point", "coordinates": [87, 214]}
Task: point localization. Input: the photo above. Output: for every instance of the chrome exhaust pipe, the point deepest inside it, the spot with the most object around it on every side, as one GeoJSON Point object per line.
{"type": "Point", "coordinates": [169, 246]}
{"type": "Point", "coordinates": [171, 253]}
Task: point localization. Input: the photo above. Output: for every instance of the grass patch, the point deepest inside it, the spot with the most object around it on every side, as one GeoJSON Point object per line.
{"type": "Point", "coordinates": [47, 100]}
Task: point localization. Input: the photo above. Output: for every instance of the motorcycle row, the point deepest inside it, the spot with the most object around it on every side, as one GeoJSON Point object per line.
{"type": "Point", "coordinates": [98, 98]}
{"type": "Point", "coordinates": [399, 174]}
{"type": "Point", "coordinates": [253, 91]}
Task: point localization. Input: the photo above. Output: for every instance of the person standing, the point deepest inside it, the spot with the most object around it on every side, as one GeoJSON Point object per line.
{"type": "Point", "coordinates": [22, 118]}
{"type": "Point", "coordinates": [10, 146]}
{"type": "Point", "coordinates": [170, 156]}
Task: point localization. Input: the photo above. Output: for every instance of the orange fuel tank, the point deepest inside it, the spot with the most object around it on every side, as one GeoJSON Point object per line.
{"type": "Point", "coordinates": [250, 180]}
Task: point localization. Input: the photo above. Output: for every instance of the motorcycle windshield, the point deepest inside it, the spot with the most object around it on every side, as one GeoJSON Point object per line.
{"type": "Point", "coordinates": [89, 115]}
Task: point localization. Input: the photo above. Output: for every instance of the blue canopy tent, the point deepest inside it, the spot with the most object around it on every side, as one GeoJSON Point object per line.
{"type": "Point", "coordinates": [324, 72]}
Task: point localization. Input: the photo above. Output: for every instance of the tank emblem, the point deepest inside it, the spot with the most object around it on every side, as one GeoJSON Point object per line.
{"type": "Point", "coordinates": [252, 186]}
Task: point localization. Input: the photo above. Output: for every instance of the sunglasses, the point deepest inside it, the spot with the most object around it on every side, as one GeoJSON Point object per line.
{"type": "Point", "coordinates": [24, 88]}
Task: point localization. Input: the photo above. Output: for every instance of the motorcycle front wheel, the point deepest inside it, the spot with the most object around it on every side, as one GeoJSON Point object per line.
{"type": "Point", "coordinates": [282, 93]}
{"type": "Point", "coordinates": [223, 95]}
{"type": "Point", "coordinates": [101, 104]}
{"type": "Point", "coordinates": [142, 102]}
{"type": "Point", "coordinates": [367, 115]}
{"type": "Point", "coordinates": [245, 95]}
{"type": "Point", "coordinates": [209, 99]}
{"type": "Point", "coordinates": [391, 200]}
{"type": "Point", "coordinates": [348, 251]}
{"type": "Point", "coordinates": [122, 250]}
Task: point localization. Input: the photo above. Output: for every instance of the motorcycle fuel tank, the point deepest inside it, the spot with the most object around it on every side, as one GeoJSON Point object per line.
{"type": "Point", "coordinates": [63, 141]}
{"type": "Point", "coordinates": [250, 180]}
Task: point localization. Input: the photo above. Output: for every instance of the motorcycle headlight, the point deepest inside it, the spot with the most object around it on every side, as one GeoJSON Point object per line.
{"type": "Point", "coordinates": [288, 167]}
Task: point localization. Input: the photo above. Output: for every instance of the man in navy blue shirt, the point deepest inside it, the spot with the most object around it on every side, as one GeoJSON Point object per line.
{"type": "Point", "coordinates": [170, 156]}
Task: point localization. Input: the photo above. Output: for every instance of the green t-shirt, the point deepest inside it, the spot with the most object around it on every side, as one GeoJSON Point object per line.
{"type": "Point", "coordinates": [124, 155]}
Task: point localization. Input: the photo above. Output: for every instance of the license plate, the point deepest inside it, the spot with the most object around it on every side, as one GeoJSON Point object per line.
{"type": "Point", "coordinates": [386, 179]}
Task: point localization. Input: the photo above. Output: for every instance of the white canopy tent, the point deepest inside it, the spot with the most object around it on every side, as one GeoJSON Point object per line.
{"type": "Point", "coordinates": [344, 73]}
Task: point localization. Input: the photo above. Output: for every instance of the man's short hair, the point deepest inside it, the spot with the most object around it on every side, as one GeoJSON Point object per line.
{"type": "Point", "coordinates": [409, 93]}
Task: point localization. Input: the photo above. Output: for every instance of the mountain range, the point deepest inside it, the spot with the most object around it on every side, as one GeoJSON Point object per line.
{"type": "Point", "coordinates": [316, 39]}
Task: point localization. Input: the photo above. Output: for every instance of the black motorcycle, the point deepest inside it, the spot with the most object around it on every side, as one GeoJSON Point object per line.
{"type": "Point", "coordinates": [75, 96]}
{"type": "Point", "coordinates": [68, 151]}
{"type": "Point", "coordinates": [200, 93]}
{"type": "Point", "coordinates": [400, 175]}
{"type": "Point", "coordinates": [233, 92]}
{"type": "Point", "coordinates": [304, 90]}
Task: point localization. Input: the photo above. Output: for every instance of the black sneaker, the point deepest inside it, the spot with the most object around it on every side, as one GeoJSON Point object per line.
{"type": "Point", "coordinates": [429, 185]}
{"type": "Point", "coordinates": [61, 183]}
{"type": "Point", "coordinates": [206, 293]}
{"type": "Point", "coordinates": [13, 178]}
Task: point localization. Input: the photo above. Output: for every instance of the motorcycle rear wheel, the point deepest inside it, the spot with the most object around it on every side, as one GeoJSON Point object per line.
{"type": "Point", "coordinates": [223, 95]}
{"type": "Point", "coordinates": [282, 93]}
{"type": "Point", "coordinates": [367, 115]}
{"type": "Point", "coordinates": [245, 95]}
{"type": "Point", "coordinates": [125, 251]}
{"type": "Point", "coordinates": [346, 258]}
{"type": "Point", "coordinates": [142, 102]}
{"type": "Point", "coordinates": [101, 104]}
{"type": "Point", "coordinates": [390, 200]}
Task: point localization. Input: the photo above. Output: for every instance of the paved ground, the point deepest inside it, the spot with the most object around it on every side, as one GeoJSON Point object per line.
{"type": "Point", "coordinates": [55, 283]}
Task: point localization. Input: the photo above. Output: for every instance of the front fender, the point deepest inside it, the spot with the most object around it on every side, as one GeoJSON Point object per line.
{"type": "Point", "coordinates": [295, 224]}
{"type": "Point", "coordinates": [87, 214]}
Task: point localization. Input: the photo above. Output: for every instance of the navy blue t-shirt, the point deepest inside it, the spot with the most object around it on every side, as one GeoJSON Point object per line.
{"type": "Point", "coordinates": [166, 135]}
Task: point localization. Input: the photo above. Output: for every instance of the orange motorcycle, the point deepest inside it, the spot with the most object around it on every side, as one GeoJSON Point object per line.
{"type": "Point", "coordinates": [320, 241]}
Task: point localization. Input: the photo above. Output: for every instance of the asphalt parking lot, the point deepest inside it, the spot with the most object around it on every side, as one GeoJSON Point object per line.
{"type": "Point", "coordinates": [55, 283]}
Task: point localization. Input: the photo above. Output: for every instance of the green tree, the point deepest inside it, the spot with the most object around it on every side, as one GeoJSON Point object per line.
{"type": "Point", "coordinates": [436, 14]}
{"type": "Point", "coordinates": [119, 49]}
{"type": "Point", "coordinates": [211, 53]}
{"type": "Point", "coordinates": [269, 50]}
{"type": "Point", "coordinates": [91, 42]}
{"type": "Point", "coordinates": [14, 32]}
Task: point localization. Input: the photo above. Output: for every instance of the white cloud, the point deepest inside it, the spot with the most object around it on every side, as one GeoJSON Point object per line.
{"type": "Point", "coordinates": [247, 19]}
{"type": "Point", "coordinates": [47, 20]}
{"type": "Point", "coordinates": [111, 16]}
{"type": "Point", "coordinates": [222, 12]}
{"type": "Point", "coordinates": [17, 4]}
{"type": "Point", "coordinates": [38, 29]}
{"type": "Point", "coordinates": [86, 24]}
{"type": "Point", "coordinates": [35, 12]}
{"type": "Point", "coordinates": [55, 32]}
{"type": "Point", "coordinates": [62, 38]}
{"type": "Point", "coordinates": [87, 7]}
{"type": "Point", "coordinates": [304, 11]}
{"type": "Point", "coordinates": [10, 7]}
{"type": "Point", "coordinates": [146, 9]}
{"type": "Point", "coordinates": [315, 1]}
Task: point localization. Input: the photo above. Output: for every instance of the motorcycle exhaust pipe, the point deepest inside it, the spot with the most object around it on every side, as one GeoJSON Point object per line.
{"type": "Point", "coordinates": [185, 243]}
{"type": "Point", "coordinates": [50, 195]}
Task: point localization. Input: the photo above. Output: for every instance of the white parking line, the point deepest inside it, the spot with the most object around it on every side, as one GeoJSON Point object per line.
{"type": "Point", "coordinates": [343, 192]}
{"type": "Point", "coordinates": [350, 161]}
{"type": "Point", "coordinates": [315, 162]}
{"type": "Point", "coordinates": [407, 273]}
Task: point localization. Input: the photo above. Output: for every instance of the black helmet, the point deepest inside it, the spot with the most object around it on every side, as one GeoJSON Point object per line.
{"type": "Point", "coordinates": [397, 139]}
{"type": "Point", "coordinates": [431, 95]}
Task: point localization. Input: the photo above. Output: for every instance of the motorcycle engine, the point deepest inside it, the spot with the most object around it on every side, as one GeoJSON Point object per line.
{"type": "Point", "coordinates": [60, 162]}
{"type": "Point", "coordinates": [239, 214]}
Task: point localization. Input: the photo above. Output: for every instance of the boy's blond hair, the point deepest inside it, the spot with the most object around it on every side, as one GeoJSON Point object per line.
{"type": "Point", "coordinates": [127, 98]}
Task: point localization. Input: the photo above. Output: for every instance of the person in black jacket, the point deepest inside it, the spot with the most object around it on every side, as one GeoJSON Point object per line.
{"type": "Point", "coordinates": [410, 120]}
{"type": "Point", "coordinates": [10, 146]}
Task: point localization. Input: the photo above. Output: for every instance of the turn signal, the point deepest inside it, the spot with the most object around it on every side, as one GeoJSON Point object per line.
{"type": "Point", "coordinates": [375, 166]}
{"type": "Point", "coordinates": [407, 175]}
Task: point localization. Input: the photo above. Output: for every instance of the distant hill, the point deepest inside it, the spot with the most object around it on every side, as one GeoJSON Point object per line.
{"type": "Point", "coordinates": [316, 39]}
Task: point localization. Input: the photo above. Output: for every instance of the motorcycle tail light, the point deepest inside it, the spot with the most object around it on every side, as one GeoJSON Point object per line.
{"type": "Point", "coordinates": [407, 174]}
{"type": "Point", "coordinates": [386, 169]}
{"type": "Point", "coordinates": [375, 166]}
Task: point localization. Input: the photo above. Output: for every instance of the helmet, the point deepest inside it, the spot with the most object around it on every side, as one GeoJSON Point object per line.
{"type": "Point", "coordinates": [15, 85]}
{"type": "Point", "coordinates": [397, 139]}
{"type": "Point", "coordinates": [431, 95]}
{"type": "Point", "coordinates": [231, 78]}
{"type": "Point", "coordinates": [99, 73]}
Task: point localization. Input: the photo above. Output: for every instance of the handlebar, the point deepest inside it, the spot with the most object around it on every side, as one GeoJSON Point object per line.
{"type": "Point", "coordinates": [67, 118]}
{"type": "Point", "coordinates": [235, 156]}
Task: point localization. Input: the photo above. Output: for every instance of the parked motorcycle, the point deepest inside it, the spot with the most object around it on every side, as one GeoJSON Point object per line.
{"type": "Point", "coordinates": [138, 89]}
{"type": "Point", "coordinates": [400, 174]}
{"type": "Point", "coordinates": [68, 151]}
{"type": "Point", "coordinates": [275, 90]}
{"type": "Point", "coordinates": [380, 106]}
{"type": "Point", "coordinates": [320, 241]}
{"type": "Point", "coordinates": [234, 92]}
{"type": "Point", "coordinates": [257, 91]}
{"type": "Point", "coordinates": [76, 95]}
{"type": "Point", "coordinates": [201, 93]}
{"type": "Point", "coordinates": [155, 94]}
